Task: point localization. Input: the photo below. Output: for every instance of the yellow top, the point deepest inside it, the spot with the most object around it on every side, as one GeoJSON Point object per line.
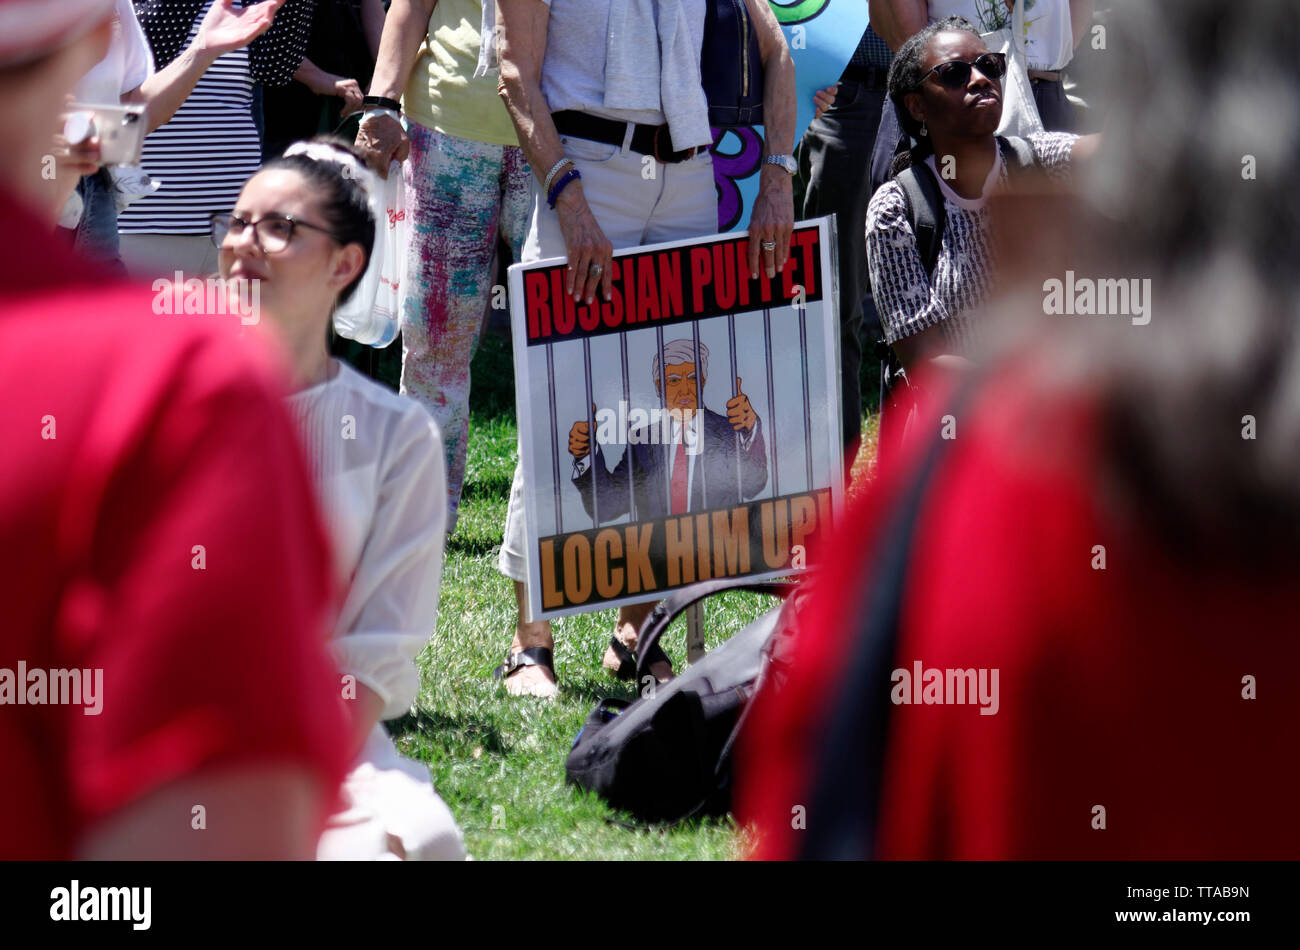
{"type": "Point", "coordinates": [443, 94]}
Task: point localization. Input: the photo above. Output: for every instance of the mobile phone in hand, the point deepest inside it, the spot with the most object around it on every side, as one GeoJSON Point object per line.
{"type": "Point", "coordinates": [120, 129]}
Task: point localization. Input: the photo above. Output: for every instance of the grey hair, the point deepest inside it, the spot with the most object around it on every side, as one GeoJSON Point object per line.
{"type": "Point", "coordinates": [681, 351]}
{"type": "Point", "coordinates": [1194, 187]}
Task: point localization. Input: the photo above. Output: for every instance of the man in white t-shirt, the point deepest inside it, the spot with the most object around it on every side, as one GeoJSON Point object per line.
{"type": "Point", "coordinates": [126, 75]}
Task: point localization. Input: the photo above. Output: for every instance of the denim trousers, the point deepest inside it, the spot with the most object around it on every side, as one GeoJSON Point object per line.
{"type": "Point", "coordinates": [95, 236]}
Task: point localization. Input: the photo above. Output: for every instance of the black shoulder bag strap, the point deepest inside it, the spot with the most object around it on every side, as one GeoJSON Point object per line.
{"type": "Point", "coordinates": [925, 207]}
{"type": "Point", "coordinates": [1019, 152]}
{"type": "Point", "coordinates": [925, 211]}
{"type": "Point", "coordinates": [927, 215]}
{"type": "Point", "coordinates": [846, 779]}
{"type": "Point", "coordinates": [667, 610]}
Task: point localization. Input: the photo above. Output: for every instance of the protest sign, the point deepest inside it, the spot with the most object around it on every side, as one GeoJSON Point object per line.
{"type": "Point", "coordinates": [686, 429]}
{"type": "Point", "coordinates": [821, 35]}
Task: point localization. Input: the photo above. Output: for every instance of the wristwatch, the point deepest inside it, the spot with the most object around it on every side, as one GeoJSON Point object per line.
{"type": "Point", "coordinates": [785, 161]}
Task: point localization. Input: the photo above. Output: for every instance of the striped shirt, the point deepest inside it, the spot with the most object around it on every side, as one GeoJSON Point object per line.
{"type": "Point", "coordinates": [203, 155]}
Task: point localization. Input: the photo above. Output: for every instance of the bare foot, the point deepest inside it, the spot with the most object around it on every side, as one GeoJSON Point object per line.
{"type": "Point", "coordinates": [627, 630]}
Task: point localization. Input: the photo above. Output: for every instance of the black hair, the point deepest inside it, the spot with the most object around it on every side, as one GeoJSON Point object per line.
{"type": "Point", "coordinates": [343, 201]}
{"type": "Point", "coordinates": [906, 74]}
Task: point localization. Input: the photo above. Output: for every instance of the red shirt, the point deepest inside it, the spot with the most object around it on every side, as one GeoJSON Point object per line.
{"type": "Point", "coordinates": [1119, 687]}
{"type": "Point", "coordinates": [156, 523]}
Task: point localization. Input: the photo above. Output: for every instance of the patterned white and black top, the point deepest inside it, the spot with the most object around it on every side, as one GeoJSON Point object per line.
{"type": "Point", "coordinates": [203, 156]}
{"type": "Point", "coordinates": [275, 55]}
{"type": "Point", "coordinates": [908, 300]}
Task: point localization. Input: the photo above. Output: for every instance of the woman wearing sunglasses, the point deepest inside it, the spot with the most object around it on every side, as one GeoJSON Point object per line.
{"type": "Point", "coordinates": [304, 230]}
{"type": "Point", "coordinates": [947, 91]}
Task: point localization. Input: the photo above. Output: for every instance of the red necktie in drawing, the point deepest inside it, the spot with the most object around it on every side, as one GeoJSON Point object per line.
{"type": "Point", "coordinates": [677, 488]}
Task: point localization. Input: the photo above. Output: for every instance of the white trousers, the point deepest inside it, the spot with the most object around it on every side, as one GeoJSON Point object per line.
{"type": "Point", "coordinates": [388, 801]}
{"type": "Point", "coordinates": [635, 201]}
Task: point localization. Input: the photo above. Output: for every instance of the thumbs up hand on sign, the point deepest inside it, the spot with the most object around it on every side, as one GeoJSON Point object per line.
{"type": "Point", "coordinates": [580, 437]}
{"type": "Point", "coordinates": [740, 413]}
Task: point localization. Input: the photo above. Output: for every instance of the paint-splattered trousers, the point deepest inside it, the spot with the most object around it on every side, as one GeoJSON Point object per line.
{"type": "Point", "coordinates": [460, 195]}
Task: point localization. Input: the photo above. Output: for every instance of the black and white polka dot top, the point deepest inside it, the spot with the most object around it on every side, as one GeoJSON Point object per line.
{"type": "Point", "coordinates": [276, 54]}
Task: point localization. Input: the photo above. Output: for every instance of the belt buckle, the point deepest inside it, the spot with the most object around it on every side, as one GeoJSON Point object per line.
{"type": "Point", "coordinates": [673, 156]}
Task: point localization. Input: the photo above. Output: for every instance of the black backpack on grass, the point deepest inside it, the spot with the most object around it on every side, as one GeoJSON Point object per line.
{"type": "Point", "coordinates": [667, 756]}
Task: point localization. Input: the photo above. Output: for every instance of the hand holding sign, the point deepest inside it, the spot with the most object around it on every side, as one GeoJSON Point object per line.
{"type": "Point", "coordinates": [740, 413]}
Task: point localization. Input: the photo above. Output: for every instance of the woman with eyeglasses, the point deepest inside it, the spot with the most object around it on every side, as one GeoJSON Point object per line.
{"type": "Point", "coordinates": [303, 232]}
{"type": "Point", "coordinates": [946, 87]}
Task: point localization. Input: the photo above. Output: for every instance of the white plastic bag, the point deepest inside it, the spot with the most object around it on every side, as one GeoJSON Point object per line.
{"type": "Point", "coordinates": [1019, 111]}
{"type": "Point", "coordinates": [372, 315]}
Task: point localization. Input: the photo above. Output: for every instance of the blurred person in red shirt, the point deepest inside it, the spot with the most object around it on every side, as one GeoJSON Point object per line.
{"type": "Point", "coordinates": [165, 572]}
{"type": "Point", "coordinates": [1112, 526]}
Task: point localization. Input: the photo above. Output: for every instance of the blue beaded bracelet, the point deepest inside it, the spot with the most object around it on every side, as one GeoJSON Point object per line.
{"type": "Point", "coordinates": [560, 185]}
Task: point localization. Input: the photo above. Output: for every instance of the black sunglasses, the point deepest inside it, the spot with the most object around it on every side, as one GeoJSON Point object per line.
{"type": "Point", "coordinates": [955, 74]}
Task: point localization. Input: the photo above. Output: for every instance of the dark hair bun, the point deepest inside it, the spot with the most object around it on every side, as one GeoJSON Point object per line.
{"type": "Point", "coordinates": [344, 203]}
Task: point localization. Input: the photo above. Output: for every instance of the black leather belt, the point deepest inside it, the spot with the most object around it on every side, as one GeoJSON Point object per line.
{"type": "Point", "coordinates": [646, 139]}
{"type": "Point", "coordinates": [870, 76]}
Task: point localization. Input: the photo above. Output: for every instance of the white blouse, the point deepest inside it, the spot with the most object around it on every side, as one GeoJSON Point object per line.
{"type": "Point", "coordinates": [377, 462]}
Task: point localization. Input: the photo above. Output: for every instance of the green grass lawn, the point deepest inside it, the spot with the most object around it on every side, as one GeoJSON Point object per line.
{"type": "Point", "coordinates": [498, 761]}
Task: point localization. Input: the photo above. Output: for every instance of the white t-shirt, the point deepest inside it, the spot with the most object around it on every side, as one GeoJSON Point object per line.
{"type": "Point", "coordinates": [377, 462]}
{"type": "Point", "coordinates": [128, 63]}
{"type": "Point", "coordinates": [573, 71]}
{"type": "Point", "coordinates": [1049, 45]}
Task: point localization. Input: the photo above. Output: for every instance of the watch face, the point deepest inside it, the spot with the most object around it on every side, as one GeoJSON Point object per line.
{"type": "Point", "coordinates": [785, 161]}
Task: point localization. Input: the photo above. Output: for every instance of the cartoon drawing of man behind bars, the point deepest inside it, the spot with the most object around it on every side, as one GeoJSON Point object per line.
{"type": "Point", "coordinates": [704, 460]}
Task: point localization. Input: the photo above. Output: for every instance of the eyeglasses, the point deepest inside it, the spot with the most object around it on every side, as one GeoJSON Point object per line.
{"type": "Point", "coordinates": [272, 234]}
{"type": "Point", "coordinates": [955, 74]}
